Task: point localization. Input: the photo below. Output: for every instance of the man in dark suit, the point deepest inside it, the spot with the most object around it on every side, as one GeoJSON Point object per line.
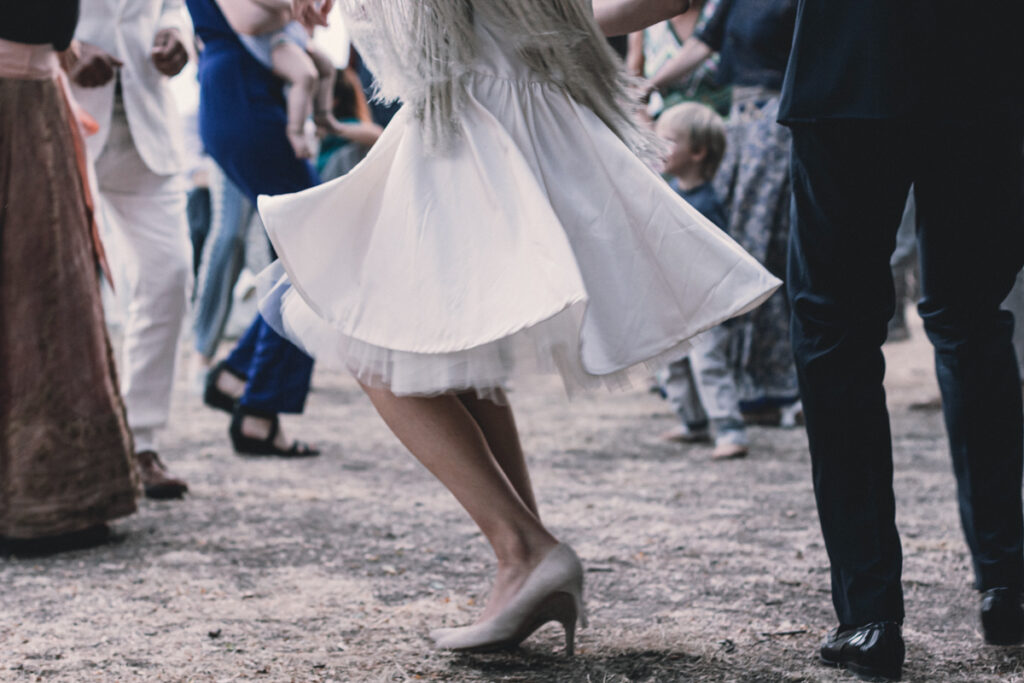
{"type": "Point", "coordinates": [881, 95]}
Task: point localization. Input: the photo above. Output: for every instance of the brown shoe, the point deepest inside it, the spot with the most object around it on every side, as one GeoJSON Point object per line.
{"type": "Point", "coordinates": [156, 482]}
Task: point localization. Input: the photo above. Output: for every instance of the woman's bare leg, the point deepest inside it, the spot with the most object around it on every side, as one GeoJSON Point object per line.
{"type": "Point", "coordinates": [444, 436]}
{"type": "Point", "coordinates": [293, 65]}
{"type": "Point", "coordinates": [498, 425]}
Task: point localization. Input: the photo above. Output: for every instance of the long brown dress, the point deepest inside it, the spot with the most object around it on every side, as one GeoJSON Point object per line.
{"type": "Point", "coordinates": [64, 445]}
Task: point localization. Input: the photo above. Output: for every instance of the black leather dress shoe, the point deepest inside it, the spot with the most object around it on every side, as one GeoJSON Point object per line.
{"type": "Point", "coordinates": [874, 651]}
{"type": "Point", "coordinates": [1002, 618]}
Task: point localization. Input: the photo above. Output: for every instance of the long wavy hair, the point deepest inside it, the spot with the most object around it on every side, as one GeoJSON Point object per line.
{"type": "Point", "coordinates": [421, 51]}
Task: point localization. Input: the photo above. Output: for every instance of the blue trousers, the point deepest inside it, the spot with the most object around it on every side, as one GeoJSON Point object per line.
{"type": "Point", "coordinates": [222, 263]}
{"type": "Point", "coordinates": [850, 184]}
{"type": "Point", "coordinates": [278, 372]}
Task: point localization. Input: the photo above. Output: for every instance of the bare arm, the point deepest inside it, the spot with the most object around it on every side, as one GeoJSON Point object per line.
{"type": "Point", "coordinates": [363, 133]}
{"type": "Point", "coordinates": [689, 57]}
{"type": "Point", "coordinates": [618, 17]}
{"type": "Point", "coordinates": [275, 5]}
{"type": "Point", "coordinates": [635, 54]}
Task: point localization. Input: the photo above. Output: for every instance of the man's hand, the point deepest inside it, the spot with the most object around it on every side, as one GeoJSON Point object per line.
{"type": "Point", "coordinates": [311, 13]}
{"type": "Point", "coordinates": [89, 66]}
{"type": "Point", "coordinates": [169, 54]}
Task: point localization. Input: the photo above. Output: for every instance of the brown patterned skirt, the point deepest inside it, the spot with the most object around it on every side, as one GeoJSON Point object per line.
{"type": "Point", "coordinates": [65, 462]}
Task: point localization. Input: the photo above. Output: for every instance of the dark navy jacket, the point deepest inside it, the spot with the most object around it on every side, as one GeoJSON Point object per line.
{"type": "Point", "coordinates": [891, 59]}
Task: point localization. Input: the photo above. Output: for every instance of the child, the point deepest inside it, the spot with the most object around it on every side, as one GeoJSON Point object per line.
{"type": "Point", "coordinates": [697, 136]}
{"type": "Point", "coordinates": [503, 221]}
{"type": "Point", "coordinates": [287, 51]}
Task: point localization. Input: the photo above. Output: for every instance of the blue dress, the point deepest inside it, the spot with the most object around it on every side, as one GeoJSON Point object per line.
{"type": "Point", "coordinates": [242, 123]}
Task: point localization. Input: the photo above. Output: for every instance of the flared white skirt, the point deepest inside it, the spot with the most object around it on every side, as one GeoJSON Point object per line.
{"type": "Point", "coordinates": [540, 242]}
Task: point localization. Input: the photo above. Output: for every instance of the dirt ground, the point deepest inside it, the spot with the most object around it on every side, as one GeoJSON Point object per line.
{"type": "Point", "coordinates": [335, 568]}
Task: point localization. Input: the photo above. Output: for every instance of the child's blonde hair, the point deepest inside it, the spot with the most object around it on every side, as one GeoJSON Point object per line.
{"type": "Point", "coordinates": [704, 129]}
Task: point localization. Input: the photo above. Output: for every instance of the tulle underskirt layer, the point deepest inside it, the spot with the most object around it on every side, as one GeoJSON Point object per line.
{"type": "Point", "coordinates": [548, 347]}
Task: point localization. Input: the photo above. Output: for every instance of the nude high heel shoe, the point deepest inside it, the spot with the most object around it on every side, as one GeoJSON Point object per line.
{"type": "Point", "coordinates": [552, 592]}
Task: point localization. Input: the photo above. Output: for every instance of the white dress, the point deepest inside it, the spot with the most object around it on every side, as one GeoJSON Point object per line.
{"type": "Point", "coordinates": [540, 243]}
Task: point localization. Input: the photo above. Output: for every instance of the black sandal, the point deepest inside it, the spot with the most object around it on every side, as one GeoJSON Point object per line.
{"type": "Point", "coordinates": [247, 445]}
{"type": "Point", "coordinates": [214, 397]}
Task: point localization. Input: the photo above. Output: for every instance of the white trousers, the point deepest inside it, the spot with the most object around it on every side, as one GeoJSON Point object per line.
{"type": "Point", "coordinates": [151, 259]}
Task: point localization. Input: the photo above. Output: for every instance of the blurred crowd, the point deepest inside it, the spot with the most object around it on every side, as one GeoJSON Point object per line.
{"type": "Point", "coordinates": [806, 151]}
{"type": "Point", "coordinates": [173, 196]}
{"type": "Point", "coordinates": [173, 178]}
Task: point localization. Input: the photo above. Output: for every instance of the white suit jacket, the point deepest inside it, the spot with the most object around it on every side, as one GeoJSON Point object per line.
{"type": "Point", "coordinates": [125, 29]}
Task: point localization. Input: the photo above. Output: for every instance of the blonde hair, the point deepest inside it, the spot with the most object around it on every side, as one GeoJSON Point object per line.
{"type": "Point", "coordinates": [422, 50]}
{"type": "Point", "coordinates": [704, 129]}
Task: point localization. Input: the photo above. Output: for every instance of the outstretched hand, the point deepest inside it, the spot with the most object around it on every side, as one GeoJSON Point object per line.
{"type": "Point", "coordinates": [311, 13]}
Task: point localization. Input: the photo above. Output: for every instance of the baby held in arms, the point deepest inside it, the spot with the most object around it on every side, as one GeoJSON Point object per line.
{"type": "Point", "coordinates": [269, 33]}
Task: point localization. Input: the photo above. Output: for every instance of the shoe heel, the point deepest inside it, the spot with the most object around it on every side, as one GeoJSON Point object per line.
{"type": "Point", "coordinates": [576, 591]}
{"type": "Point", "coordinates": [562, 607]}
{"type": "Point", "coordinates": [570, 638]}
{"type": "Point", "coordinates": [581, 609]}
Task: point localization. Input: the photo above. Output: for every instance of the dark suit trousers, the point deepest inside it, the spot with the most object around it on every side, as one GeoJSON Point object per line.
{"type": "Point", "coordinates": [850, 183]}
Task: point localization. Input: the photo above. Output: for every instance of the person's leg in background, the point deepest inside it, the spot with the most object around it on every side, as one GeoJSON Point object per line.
{"type": "Point", "coordinates": [1015, 302]}
{"type": "Point", "coordinates": [147, 211]}
{"type": "Point", "coordinates": [714, 362]}
{"type": "Point", "coordinates": [295, 66]}
{"type": "Point", "coordinates": [221, 264]}
{"type": "Point", "coordinates": [680, 390]}
{"type": "Point", "coordinates": [903, 262]}
{"type": "Point", "coordinates": [277, 382]}
{"type": "Point", "coordinates": [199, 211]}
{"type": "Point", "coordinates": [846, 210]}
{"type": "Point", "coordinates": [754, 184]}
{"type": "Point", "coordinates": [265, 374]}
{"type": "Point", "coordinates": [323, 98]}
{"type": "Point", "coordinates": [972, 247]}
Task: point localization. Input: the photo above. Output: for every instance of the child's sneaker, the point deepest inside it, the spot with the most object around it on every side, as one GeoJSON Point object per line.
{"type": "Point", "coordinates": [792, 415]}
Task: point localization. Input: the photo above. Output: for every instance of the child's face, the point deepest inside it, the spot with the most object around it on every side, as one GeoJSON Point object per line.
{"type": "Point", "coordinates": [682, 159]}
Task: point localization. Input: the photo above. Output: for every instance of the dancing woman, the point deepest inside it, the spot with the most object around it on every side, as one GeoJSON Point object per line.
{"type": "Point", "coordinates": [503, 221]}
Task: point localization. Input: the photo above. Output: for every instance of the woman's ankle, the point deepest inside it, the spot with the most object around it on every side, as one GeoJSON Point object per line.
{"type": "Point", "coordinates": [229, 384]}
{"type": "Point", "coordinates": [256, 427]}
{"type": "Point", "coordinates": [523, 548]}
